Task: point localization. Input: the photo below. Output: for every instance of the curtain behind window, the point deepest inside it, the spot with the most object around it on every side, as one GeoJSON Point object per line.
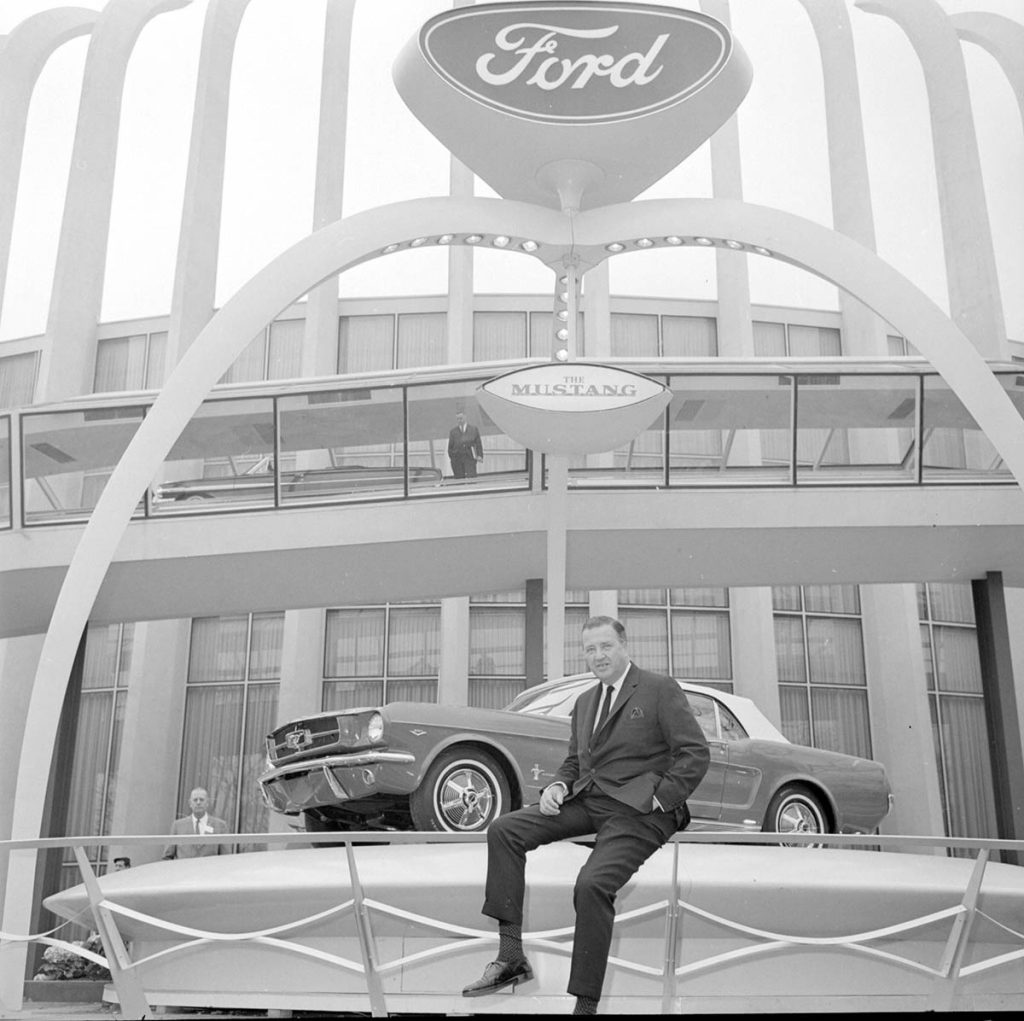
{"type": "Point", "coordinates": [422, 340]}
{"type": "Point", "coordinates": [366, 343]}
{"type": "Point", "coordinates": [250, 365]}
{"type": "Point", "coordinates": [498, 335]}
{"type": "Point", "coordinates": [634, 336]}
{"type": "Point", "coordinates": [689, 337]}
{"type": "Point", "coordinates": [18, 379]}
{"type": "Point", "coordinates": [286, 337]}
{"type": "Point", "coordinates": [120, 364]}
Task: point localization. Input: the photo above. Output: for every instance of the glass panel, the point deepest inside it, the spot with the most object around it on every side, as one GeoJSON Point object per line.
{"type": "Point", "coordinates": [700, 645]}
{"type": "Point", "coordinates": [102, 642]}
{"type": "Point", "coordinates": [412, 691]}
{"type": "Point", "coordinates": [89, 764]}
{"type": "Point", "coordinates": [699, 596]}
{"type": "Point", "coordinates": [951, 602]}
{"type": "Point", "coordinates": [68, 456]}
{"type": "Point", "coordinates": [6, 511]}
{"type": "Point", "coordinates": [354, 645]}
{"type": "Point", "coordinates": [346, 445]}
{"type": "Point", "coordinates": [422, 339]}
{"type": "Point", "coordinates": [267, 640]}
{"type": "Point", "coordinates": [953, 445]}
{"type": "Point", "coordinates": [572, 656]}
{"type": "Point", "coordinates": [260, 715]}
{"type": "Point", "coordinates": [831, 599]}
{"type": "Point", "coordinates": [841, 721]}
{"type": "Point", "coordinates": [251, 364]}
{"type": "Point", "coordinates": [769, 340]}
{"type": "Point", "coordinates": [813, 341]}
{"type": "Point", "coordinates": [634, 336]}
{"type": "Point", "coordinates": [857, 428]}
{"type": "Point", "coordinates": [223, 459]}
{"type": "Point", "coordinates": [789, 649]}
{"type": "Point", "coordinates": [285, 356]}
{"type": "Point", "coordinates": [120, 364]}
{"type": "Point", "coordinates": [490, 693]}
{"type": "Point", "coordinates": [414, 643]}
{"type": "Point", "coordinates": [156, 361]}
{"type": "Point", "coordinates": [18, 379]}
{"type": "Point", "coordinates": [218, 650]}
{"type": "Point", "coordinates": [796, 719]}
{"type": "Point", "coordinates": [689, 337]}
{"type": "Point", "coordinates": [642, 596]}
{"type": "Point", "coordinates": [353, 694]}
{"type": "Point", "coordinates": [956, 659]}
{"type": "Point", "coordinates": [366, 343]}
{"type": "Point", "coordinates": [787, 597]}
{"type": "Point", "coordinates": [210, 749]}
{"type": "Point", "coordinates": [836, 651]}
{"type": "Point", "coordinates": [647, 638]}
{"type": "Point", "coordinates": [963, 739]}
{"type": "Point", "coordinates": [498, 335]}
{"type": "Point", "coordinates": [497, 640]}
{"type": "Point", "coordinates": [435, 436]}
{"type": "Point", "coordinates": [729, 429]}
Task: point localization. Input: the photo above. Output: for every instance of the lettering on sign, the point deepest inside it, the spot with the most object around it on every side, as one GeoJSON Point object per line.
{"type": "Point", "coordinates": [572, 388]}
{"type": "Point", "coordinates": [553, 72]}
{"type": "Point", "coordinates": [578, 62]}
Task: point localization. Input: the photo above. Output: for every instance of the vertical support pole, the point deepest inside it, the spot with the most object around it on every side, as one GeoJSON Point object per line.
{"type": "Point", "coordinates": [959, 936]}
{"type": "Point", "coordinates": [130, 995]}
{"type": "Point", "coordinates": [558, 485]}
{"type": "Point", "coordinates": [1001, 717]}
{"type": "Point", "coordinates": [534, 631]}
{"type": "Point", "coordinates": [367, 947]}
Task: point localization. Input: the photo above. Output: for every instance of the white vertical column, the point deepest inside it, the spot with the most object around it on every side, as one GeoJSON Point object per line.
{"type": "Point", "coordinates": [70, 339]}
{"type": "Point", "coordinates": [195, 270]}
{"type": "Point", "coordinates": [22, 56]}
{"type": "Point", "coordinates": [1003, 38]}
{"type": "Point", "coordinates": [320, 347]}
{"type": "Point", "coordinates": [974, 298]}
{"type": "Point", "coordinates": [453, 670]}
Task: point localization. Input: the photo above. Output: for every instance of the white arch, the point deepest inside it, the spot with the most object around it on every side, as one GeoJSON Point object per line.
{"type": "Point", "coordinates": [359, 238]}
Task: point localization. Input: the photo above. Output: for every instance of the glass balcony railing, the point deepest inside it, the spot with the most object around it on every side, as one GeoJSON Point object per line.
{"type": "Point", "coordinates": [346, 441]}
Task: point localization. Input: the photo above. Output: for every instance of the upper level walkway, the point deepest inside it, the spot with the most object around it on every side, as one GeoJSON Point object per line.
{"type": "Point", "coordinates": [310, 492]}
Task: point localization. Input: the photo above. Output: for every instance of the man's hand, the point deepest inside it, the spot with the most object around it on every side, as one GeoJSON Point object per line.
{"type": "Point", "coordinates": [551, 799]}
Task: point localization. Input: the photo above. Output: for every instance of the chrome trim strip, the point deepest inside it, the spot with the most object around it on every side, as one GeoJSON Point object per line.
{"type": "Point", "coordinates": [330, 761]}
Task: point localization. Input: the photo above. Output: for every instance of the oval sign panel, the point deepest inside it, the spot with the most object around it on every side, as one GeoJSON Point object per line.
{"type": "Point", "coordinates": [576, 408]}
{"type": "Point", "coordinates": [575, 63]}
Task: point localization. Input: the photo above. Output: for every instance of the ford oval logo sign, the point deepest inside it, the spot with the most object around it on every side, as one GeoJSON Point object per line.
{"type": "Point", "coordinates": [573, 408]}
{"type": "Point", "coordinates": [575, 63]}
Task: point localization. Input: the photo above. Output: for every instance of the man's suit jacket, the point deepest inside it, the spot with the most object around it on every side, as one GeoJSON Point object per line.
{"type": "Point", "coordinates": [465, 445]}
{"type": "Point", "coordinates": [650, 746]}
{"type": "Point", "coordinates": [185, 826]}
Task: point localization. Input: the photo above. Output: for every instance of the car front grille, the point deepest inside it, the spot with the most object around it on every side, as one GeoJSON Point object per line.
{"type": "Point", "coordinates": [299, 739]}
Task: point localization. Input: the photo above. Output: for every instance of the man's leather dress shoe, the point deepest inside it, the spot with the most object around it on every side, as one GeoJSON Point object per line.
{"type": "Point", "coordinates": [499, 974]}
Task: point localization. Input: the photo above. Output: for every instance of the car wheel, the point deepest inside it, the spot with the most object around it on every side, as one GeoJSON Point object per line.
{"type": "Point", "coordinates": [463, 791]}
{"type": "Point", "coordinates": [795, 810]}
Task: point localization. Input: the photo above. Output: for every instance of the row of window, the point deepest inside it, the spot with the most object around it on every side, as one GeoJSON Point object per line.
{"type": "Point", "coordinates": [388, 653]}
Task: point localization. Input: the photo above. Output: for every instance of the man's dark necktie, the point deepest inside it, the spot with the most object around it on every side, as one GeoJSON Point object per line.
{"type": "Point", "coordinates": [609, 693]}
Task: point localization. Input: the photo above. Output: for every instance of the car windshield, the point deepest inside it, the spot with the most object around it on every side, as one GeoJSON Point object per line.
{"type": "Point", "coordinates": [556, 701]}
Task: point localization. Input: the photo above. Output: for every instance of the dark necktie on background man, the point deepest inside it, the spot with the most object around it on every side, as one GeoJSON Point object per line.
{"type": "Point", "coordinates": [606, 704]}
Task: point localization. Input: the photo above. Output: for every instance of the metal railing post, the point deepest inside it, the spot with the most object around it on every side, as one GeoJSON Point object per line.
{"type": "Point", "coordinates": [959, 936]}
{"type": "Point", "coordinates": [672, 913]}
{"type": "Point", "coordinates": [367, 946]}
{"type": "Point", "coordinates": [131, 997]}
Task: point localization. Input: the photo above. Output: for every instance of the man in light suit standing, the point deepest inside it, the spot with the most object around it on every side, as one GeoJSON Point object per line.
{"type": "Point", "coordinates": [197, 821]}
{"type": "Point", "coordinates": [464, 448]}
{"type": "Point", "coordinates": [632, 763]}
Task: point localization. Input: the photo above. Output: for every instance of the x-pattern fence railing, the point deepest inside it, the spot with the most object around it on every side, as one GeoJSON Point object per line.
{"type": "Point", "coordinates": [126, 972]}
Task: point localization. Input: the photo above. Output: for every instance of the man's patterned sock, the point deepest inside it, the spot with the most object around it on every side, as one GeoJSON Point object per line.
{"type": "Point", "coordinates": [510, 941]}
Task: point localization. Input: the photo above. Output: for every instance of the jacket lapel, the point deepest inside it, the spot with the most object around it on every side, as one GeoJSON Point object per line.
{"type": "Point", "coordinates": [625, 694]}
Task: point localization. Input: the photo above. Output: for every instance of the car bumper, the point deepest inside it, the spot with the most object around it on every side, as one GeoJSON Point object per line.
{"type": "Point", "coordinates": [336, 778]}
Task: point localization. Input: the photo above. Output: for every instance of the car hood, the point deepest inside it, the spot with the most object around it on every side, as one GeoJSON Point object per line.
{"type": "Point", "coordinates": [469, 718]}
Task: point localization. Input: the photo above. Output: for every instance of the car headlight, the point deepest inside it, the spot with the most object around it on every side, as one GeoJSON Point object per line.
{"type": "Point", "coordinates": [375, 727]}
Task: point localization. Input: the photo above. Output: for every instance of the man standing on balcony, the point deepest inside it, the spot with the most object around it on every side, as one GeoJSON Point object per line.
{"type": "Point", "coordinates": [632, 764]}
{"type": "Point", "coordinates": [464, 448]}
{"type": "Point", "coordinates": [198, 821]}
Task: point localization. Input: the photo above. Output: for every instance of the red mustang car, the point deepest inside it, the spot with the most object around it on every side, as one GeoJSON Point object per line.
{"type": "Point", "coordinates": [419, 766]}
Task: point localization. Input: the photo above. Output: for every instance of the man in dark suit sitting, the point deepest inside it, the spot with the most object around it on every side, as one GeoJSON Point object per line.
{"type": "Point", "coordinates": [632, 764]}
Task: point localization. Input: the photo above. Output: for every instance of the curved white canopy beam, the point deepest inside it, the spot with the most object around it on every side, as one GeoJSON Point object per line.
{"type": "Point", "coordinates": [362, 237]}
